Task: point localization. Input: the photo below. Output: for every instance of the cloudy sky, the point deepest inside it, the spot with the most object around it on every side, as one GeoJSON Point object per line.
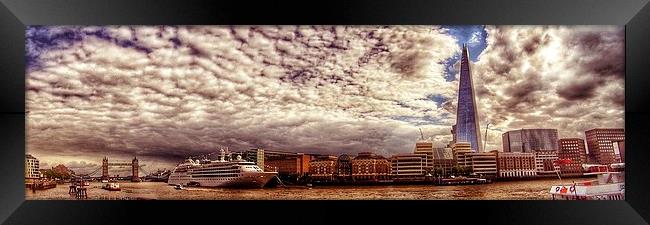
{"type": "Point", "coordinates": [167, 92]}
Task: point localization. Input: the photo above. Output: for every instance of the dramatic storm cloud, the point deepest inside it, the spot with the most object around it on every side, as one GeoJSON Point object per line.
{"type": "Point", "coordinates": [568, 78]}
{"type": "Point", "coordinates": [165, 93]}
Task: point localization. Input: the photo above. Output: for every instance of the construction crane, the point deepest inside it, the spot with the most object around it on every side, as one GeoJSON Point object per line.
{"type": "Point", "coordinates": [421, 134]}
{"type": "Point", "coordinates": [485, 139]}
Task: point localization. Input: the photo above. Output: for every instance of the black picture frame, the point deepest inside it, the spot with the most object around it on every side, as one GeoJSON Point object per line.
{"type": "Point", "coordinates": [15, 15]}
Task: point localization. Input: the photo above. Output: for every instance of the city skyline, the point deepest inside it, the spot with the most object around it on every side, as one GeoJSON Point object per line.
{"type": "Point", "coordinates": [163, 93]}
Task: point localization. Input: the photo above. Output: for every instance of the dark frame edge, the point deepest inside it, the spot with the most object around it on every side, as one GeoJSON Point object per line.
{"type": "Point", "coordinates": [12, 114]}
{"type": "Point", "coordinates": [636, 116]}
{"type": "Point", "coordinates": [13, 120]}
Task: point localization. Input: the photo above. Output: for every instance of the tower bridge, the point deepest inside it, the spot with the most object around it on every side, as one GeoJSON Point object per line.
{"type": "Point", "coordinates": [134, 164]}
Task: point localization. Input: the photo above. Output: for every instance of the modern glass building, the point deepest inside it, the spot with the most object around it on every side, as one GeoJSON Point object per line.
{"type": "Point", "coordinates": [467, 126]}
{"type": "Point", "coordinates": [530, 140]}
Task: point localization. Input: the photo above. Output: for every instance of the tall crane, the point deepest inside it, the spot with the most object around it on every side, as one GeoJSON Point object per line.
{"type": "Point", "coordinates": [421, 134]}
{"type": "Point", "coordinates": [485, 139]}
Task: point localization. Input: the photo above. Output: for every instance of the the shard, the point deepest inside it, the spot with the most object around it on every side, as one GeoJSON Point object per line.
{"type": "Point", "coordinates": [467, 127]}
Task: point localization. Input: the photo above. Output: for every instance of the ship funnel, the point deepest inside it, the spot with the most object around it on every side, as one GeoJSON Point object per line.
{"type": "Point", "coordinates": [222, 155]}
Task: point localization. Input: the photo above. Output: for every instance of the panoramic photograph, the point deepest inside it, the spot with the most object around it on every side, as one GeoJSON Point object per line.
{"type": "Point", "coordinates": [462, 112]}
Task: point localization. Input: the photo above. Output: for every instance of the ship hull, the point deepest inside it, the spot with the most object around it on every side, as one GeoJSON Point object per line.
{"type": "Point", "coordinates": [247, 180]}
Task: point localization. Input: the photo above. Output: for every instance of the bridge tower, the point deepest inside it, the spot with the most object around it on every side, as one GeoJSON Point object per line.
{"type": "Point", "coordinates": [134, 170]}
{"type": "Point", "coordinates": [105, 168]}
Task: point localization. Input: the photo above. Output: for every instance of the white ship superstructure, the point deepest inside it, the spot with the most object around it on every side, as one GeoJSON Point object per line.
{"type": "Point", "coordinates": [220, 173]}
{"type": "Point", "coordinates": [609, 185]}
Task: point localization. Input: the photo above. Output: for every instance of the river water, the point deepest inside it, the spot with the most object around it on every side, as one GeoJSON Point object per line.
{"type": "Point", "coordinates": [521, 190]}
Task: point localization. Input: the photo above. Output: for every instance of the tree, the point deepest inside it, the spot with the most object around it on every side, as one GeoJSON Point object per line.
{"type": "Point", "coordinates": [428, 170]}
{"type": "Point", "coordinates": [467, 170]}
{"type": "Point", "coordinates": [59, 172]}
{"type": "Point", "coordinates": [458, 170]}
{"type": "Point", "coordinates": [438, 171]}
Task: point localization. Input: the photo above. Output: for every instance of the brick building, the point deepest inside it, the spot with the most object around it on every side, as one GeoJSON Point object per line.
{"type": "Point", "coordinates": [545, 162]}
{"type": "Point", "coordinates": [370, 167]}
{"type": "Point", "coordinates": [344, 168]}
{"type": "Point", "coordinates": [574, 150]}
{"type": "Point", "coordinates": [603, 144]}
{"type": "Point", "coordinates": [516, 164]}
{"type": "Point", "coordinates": [323, 169]}
{"type": "Point", "coordinates": [289, 164]}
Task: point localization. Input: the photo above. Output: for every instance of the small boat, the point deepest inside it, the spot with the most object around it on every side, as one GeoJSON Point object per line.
{"type": "Point", "coordinates": [461, 181]}
{"type": "Point", "coordinates": [610, 185]}
{"type": "Point", "coordinates": [41, 185]}
{"type": "Point", "coordinates": [310, 185]}
{"type": "Point", "coordinates": [179, 187]}
{"type": "Point", "coordinates": [112, 187]}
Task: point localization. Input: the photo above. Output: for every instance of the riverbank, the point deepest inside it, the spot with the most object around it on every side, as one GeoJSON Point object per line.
{"type": "Point", "coordinates": [433, 181]}
{"type": "Point", "coordinates": [510, 190]}
{"type": "Point", "coordinates": [545, 177]}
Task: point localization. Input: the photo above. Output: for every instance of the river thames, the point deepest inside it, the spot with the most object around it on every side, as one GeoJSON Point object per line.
{"type": "Point", "coordinates": [511, 190]}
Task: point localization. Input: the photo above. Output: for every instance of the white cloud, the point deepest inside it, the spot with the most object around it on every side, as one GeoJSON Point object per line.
{"type": "Point", "coordinates": [569, 78]}
{"type": "Point", "coordinates": [475, 39]}
{"type": "Point", "coordinates": [163, 93]}
{"type": "Point", "coordinates": [176, 91]}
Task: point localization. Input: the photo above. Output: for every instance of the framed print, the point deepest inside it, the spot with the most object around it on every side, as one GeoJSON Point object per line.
{"type": "Point", "coordinates": [489, 109]}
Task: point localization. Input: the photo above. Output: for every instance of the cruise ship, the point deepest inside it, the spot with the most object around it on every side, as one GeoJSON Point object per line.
{"type": "Point", "coordinates": [220, 173]}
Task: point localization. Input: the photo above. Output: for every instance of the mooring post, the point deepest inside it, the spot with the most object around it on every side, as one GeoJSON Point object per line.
{"type": "Point", "coordinates": [73, 189]}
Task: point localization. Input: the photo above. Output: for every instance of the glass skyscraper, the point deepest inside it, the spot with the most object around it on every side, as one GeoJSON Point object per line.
{"type": "Point", "coordinates": [530, 140]}
{"type": "Point", "coordinates": [467, 127]}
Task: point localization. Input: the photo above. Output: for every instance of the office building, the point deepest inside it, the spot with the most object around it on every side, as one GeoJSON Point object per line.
{"type": "Point", "coordinates": [621, 150]}
{"type": "Point", "coordinates": [603, 145]}
{"type": "Point", "coordinates": [530, 140]}
{"type": "Point", "coordinates": [32, 167]}
{"type": "Point", "coordinates": [443, 160]}
{"type": "Point", "coordinates": [483, 163]}
{"type": "Point", "coordinates": [323, 169]}
{"type": "Point", "coordinates": [546, 163]}
{"type": "Point", "coordinates": [516, 164]}
{"type": "Point", "coordinates": [443, 153]}
{"type": "Point", "coordinates": [289, 164]}
{"type": "Point", "coordinates": [467, 125]}
{"type": "Point", "coordinates": [453, 134]}
{"type": "Point", "coordinates": [367, 166]}
{"type": "Point", "coordinates": [460, 150]}
{"type": "Point", "coordinates": [255, 155]}
{"type": "Point", "coordinates": [282, 160]}
{"type": "Point", "coordinates": [574, 150]}
{"type": "Point", "coordinates": [425, 147]}
{"type": "Point", "coordinates": [408, 166]}
{"type": "Point", "coordinates": [344, 168]}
